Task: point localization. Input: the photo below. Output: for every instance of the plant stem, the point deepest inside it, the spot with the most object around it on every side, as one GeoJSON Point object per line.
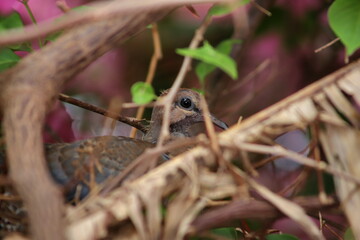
{"type": "Point", "coordinates": [32, 17]}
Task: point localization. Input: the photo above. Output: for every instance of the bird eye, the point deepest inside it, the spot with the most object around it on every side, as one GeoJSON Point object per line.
{"type": "Point", "coordinates": [186, 103]}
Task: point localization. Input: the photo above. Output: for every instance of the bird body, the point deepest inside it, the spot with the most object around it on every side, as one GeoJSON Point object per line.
{"type": "Point", "coordinates": [91, 161]}
{"type": "Point", "coordinates": [94, 160]}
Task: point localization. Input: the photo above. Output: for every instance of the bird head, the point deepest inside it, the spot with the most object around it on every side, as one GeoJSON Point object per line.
{"type": "Point", "coordinates": [185, 112]}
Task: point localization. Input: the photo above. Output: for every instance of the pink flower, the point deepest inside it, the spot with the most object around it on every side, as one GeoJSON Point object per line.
{"type": "Point", "coordinates": [8, 6]}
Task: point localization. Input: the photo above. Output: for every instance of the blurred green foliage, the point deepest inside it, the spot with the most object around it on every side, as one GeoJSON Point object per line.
{"type": "Point", "coordinates": [211, 56]}
{"type": "Point", "coordinates": [344, 19]}
{"type": "Point", "coordinates": [142, 93]}
{"type": "Point", "coordinates": [280, 237]}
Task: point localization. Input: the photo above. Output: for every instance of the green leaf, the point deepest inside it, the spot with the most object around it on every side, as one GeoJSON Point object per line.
{"type": "Point", "coordinates": [227, 233]}
{"type": "Point", "coordinates": [280, 237]}
{"type": "Point", "coordinates": [21, 47]}
{"type": "Point", "coordinates": [226, 45]}
{"type": "Point", "coordinates": [7, 59]}
{"type": "Point", "coordinates": [344, 19]}
{"type": "Point", "coordinates": [209, 55]}
{"type": "Point", "coordinates": [142, 93]}
{"type": "Point", "coordinates": [349, 235]}
{"type": "Point", "coordinates": [220, 9]}
{"type": "Point", "coordinates": [52, 37]}
{"type": "Point", "coordinates": [82, 8]}
{"type": "Point", "coordinates": [200, 91]}
{"type": "Point", "coordinates": [10, 22]}
{"type": "Point", "coordinates": [223, 9]}
{"type": "Point", "coordinates": [203, 69]}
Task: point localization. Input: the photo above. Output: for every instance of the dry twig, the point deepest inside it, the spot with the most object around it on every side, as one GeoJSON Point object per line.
{"type": "Point", "coordinates": [168, 99]}
{"type": "Point", "coordinates": [289, 208]}
{"type": "Point", "coordinates": [280, 151]}
{"type": "Point", "coordinates": [128, 120]}
{"type": "Point", "coordinates": [327, 45]}
{"type": "Point", "coordinates": [157, 55]}
{"type": "Point", "coordinates": [254, 209]}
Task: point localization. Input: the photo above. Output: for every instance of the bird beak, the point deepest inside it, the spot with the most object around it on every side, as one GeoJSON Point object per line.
{"type": "Point", "coordinates": [219, 123]}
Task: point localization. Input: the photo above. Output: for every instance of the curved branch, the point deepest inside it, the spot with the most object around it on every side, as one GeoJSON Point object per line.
{"type": "Point", "coordinates": [100, 11]}
{"type": "Point", "coordinates": [252, 209]}
{"type": "Point", "coordinates": [27, 92]}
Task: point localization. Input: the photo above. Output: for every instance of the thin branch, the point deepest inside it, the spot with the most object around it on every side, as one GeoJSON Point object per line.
{"type": "Point", "coordinates": [247, 164]}
{"type": "Point", "coordinates": [269, 159]}
{"type": "Point", "coordinates": [327, 45]}
{"type": "Point", "coordinates": [293, 185]}
{"type": "Point", "coordinates": [277, 150]}
{"type": "Point", "coordinates": [99, 11]}
{"type": "Point", "coordinates": [250, 76]}
{"type": "Point", "coordinates": [214, 143]}
{"type": "Point", "coordinates": [317, 156]}
{"type": "Point", "coordinates": [254, 209]}
{"type": "Point", "coordinates": [128, 120]}
{"type": "Point", "coordinates": [168, 99]}
{"type": "Point", "coordinates": [256, 88]}
{"type": "Point", "coordinates": [261, 9]}
{"type": "Point", "coordinates": [192, 10]}
{"type": "Point", "coordinates": [157, 55]}
{"type": "Point", "coordinates": [63, 6]}
{"type": "Point", "coordinates": [32, 17]}
{"type": "Point", "coordinates": [337, 235]}
{"type": "Point", "coordinates": [287, 207]}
